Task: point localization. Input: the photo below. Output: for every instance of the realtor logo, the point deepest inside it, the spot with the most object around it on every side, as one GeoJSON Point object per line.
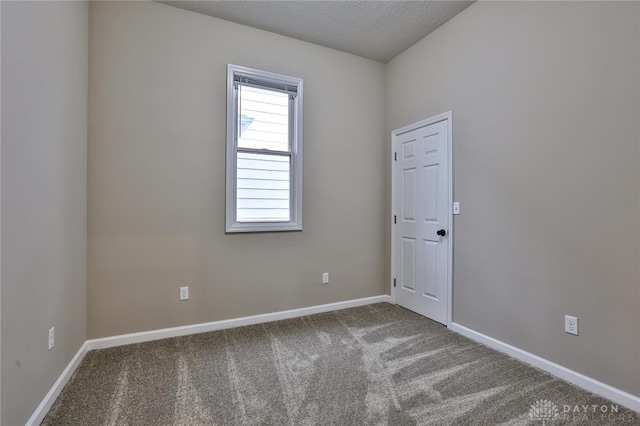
{"type": "Point", "coordinates": [544, 410]}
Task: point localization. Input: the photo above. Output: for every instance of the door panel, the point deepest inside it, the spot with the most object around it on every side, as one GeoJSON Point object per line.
{"type": "Point", "coordinates": [409, 149]}
{"type": "Point", "coordinates": [422, 195]}
{"type": "Point", "coordinates": [431, 143]}
{"type": "Point", "coordinates": [430, 266]}
{"type": "Point", "coordinates": [409, 263]}
{"type": "Point", "coordinates": [409, 201]}
{"type": "Point", "coordinates": [430, 185]}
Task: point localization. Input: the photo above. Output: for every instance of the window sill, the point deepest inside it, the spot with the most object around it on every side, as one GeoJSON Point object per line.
{"type": "Point", "coordinates": [263, 227]}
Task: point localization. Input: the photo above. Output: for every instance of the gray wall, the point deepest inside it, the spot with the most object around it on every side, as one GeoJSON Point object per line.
{"type": "Point", "coordinates": [546, 102]}
{"type": "Point", "coordinates": [157, 174]}
{"type": "Point", "coordinates": [44, 147]}
{"type": "Point", "coordinates": [545, 99]}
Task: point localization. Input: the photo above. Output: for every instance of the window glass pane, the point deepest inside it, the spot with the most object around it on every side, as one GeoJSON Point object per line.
{"type": "Point", "coordinates": [262, 188]}
{"type": "Point", "coordinates": [264, 119]}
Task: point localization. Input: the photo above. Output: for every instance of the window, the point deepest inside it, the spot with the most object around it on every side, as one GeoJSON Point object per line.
{"type": "Point", "coordinates": [264, 151]}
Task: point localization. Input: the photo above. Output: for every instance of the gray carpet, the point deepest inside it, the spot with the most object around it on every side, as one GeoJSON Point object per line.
{"type": "Point", "coordinates": [374, 365]}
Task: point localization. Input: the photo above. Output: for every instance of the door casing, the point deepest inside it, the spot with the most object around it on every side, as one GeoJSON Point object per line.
{"type": "Point", "coordinates": [448, 116]}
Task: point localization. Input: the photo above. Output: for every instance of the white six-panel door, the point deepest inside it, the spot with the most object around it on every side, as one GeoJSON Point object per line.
{"type": "Point", "coordinates": [422, 220]}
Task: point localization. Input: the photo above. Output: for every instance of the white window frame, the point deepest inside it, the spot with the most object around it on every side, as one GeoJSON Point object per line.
{"type": "Point", "coordinates": [295, 132]}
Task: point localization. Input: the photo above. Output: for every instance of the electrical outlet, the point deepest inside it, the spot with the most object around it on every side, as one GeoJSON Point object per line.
{"type": "Point", "coordinates": [571, 324]}
{"type": "Point", "coordinates": [52, 337]}
{"type": "Point", "coordinates": [325, 278]}
{"type": "Point", "coordinates": [184, 293]}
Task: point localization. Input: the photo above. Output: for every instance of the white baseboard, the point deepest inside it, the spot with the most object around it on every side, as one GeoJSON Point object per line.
{"type": "Point", "coordinates": [602, 389]}
{"type": "Point", "coordinates": [50, 397]}
{"type": "Point", "coordinates": [146, 336]}
{"type": "Point", "coordinates": [616, 395]}
{"type": "Point", "coordinates": [125, 339]}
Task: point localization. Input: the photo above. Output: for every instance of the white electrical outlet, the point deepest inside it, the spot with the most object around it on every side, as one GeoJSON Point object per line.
{"type": "Point", "coordinates": [52, 337]}
{"type": "Point", "coordinates": [571, 324]}
{"type": "Point", "coordinates": [184, 293]}
{"type": "Point", "coordinates": [325, 278]}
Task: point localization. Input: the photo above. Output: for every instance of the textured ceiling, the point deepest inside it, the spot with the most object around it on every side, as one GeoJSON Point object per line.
{"type": "Point", "coordinates": [378, 30]}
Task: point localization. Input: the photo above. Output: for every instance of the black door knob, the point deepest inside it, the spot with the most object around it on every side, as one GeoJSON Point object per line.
{"type": "Point", "coordinates": [442, 232]}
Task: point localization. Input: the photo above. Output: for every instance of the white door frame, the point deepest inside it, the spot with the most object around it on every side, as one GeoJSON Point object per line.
{"type": "Point", "coordinates": [448, 116]}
